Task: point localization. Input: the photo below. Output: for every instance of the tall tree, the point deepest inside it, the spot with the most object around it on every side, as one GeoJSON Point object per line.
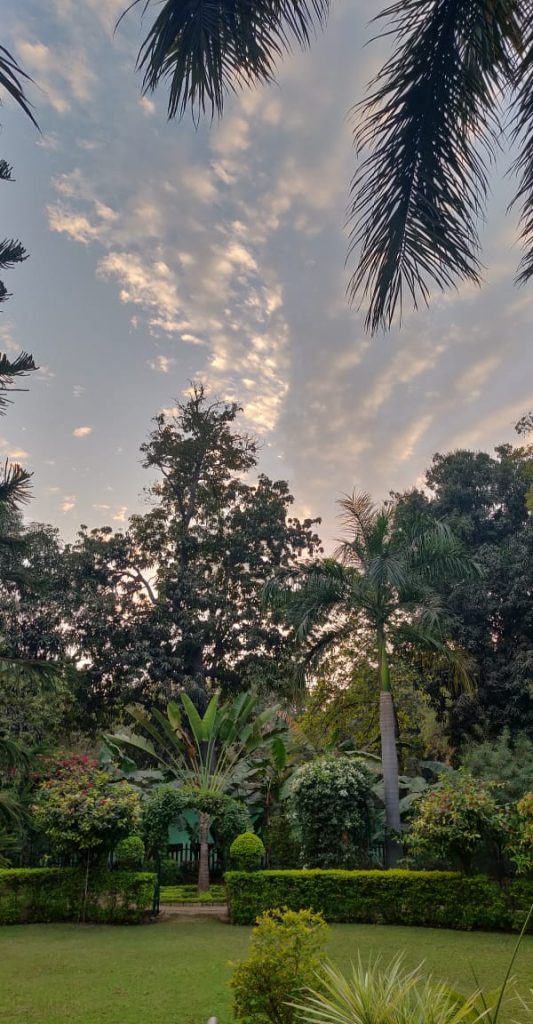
{"type": "Point", "coordinates": [380, 589]}
{"type": "Point", "coordinates": [430, 125]}
{"type": "Point", "coordinates": [175, 602]}
{"type": "Point", "coordinates": [485, 499]}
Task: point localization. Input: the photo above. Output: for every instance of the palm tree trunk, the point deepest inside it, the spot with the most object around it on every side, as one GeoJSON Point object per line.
{"type": "Point", "coordinates": [203, 870]}
{"type": "Point", "coordinates": [389, 759]}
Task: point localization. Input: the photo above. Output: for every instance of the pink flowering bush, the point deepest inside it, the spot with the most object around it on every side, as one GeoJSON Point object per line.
{"type": "Point", "coordinates": [81, 808]}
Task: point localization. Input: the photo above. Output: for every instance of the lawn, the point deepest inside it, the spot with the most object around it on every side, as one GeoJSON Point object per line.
{"type": "Point", "coordinates": [177, 972]}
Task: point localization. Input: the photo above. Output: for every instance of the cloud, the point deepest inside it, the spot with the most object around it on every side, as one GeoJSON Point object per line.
{"type": "Point", "coordinates": [82, 431]}
{"type": "Point", "coordinates": [18, 453]}
{"type": "Point", "coordinates": [162, 364]}
{"type": "Point", "coordinates": [68, 503]}
{"type": "Point", "coordinates": [120, 515]}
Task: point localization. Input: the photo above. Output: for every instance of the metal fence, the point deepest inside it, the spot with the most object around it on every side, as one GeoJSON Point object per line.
{"type": "Point", "coordinates": [187, 856]}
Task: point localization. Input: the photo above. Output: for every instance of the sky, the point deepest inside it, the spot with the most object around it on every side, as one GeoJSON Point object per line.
{"type": "Point", "coordinates": [162, 253]}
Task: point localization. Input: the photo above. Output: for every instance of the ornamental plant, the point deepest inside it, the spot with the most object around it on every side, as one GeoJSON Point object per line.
{"type": "Point", "coordinates": [286, 951]}
{"type": "Point", "coordinates": [83, 810]}
{"type": "Point", "coordinates": [521, 847]}
{"type": "Point", "coordinates": [332, 807]}
{"type": "Point", "coordinates": [455, 820]}
{"type": "Point", "coordinates": [129, 853]}
{"type": "Point", "coordinates": [246, 852]}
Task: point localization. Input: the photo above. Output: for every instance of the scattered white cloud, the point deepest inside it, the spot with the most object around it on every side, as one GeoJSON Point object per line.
{"type": "Point", "coordinates": [120, 515]}
{"type": "Point", "coordinates": [162, 364]}
{"type": "Point", "coordinates": [68, 503]}
{"type": "Point", "coordinates": [82, 431]}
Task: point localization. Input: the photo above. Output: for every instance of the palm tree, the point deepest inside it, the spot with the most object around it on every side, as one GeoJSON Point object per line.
{"type": "Point", "coordinates": [432, 121]}
{"type": "Point", "coordinates": [378, 590]}
{"type": "Point", "coordinates": [209, 756]}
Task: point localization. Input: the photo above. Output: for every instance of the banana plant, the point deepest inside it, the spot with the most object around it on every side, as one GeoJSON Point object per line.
{"type": "Point", "coordinates": [210, 755]}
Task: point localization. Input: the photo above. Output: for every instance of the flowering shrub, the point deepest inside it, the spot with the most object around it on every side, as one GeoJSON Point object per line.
{"type": "Point", "coordinates": [455, 820]}
{"type": "Point", "coordinates": [331, 804]}
{"type": "Point", "coordinates": [83, 809]}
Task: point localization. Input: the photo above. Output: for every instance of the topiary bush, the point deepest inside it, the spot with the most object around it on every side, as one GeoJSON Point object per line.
{"type": "Point", "coordinates": [286, 951]}
{"type": "Point", "coordinates": [332, 806]}
{"type": "Point", "coordinates": [129, 853]}
{"type": "Point", "coordinates": [438, 899]}
{"type": "Point", "coordinates": [246, 852]}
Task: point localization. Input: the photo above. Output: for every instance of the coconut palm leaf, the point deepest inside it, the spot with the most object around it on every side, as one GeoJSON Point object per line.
{"type": "Point", "coordinates": [429, 126]}
{"type": "Point", "coordinates": [13, 79]}
{"type": "Point", "coordinates": [207, 50]}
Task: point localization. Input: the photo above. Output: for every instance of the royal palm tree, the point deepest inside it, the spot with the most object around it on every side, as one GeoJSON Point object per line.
{"type": "Point", "coordinates": [378, 590]}
{"type": "Point", "coordinates": [208, 756]}
{"type": "Point", "coordinates": [460, 72]}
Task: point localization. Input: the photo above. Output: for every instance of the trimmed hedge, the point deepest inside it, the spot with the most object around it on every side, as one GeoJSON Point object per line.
{"type": "Point", "coordinates": [437, 899]}
{"type": "Point", "coordinates": [58, 894]}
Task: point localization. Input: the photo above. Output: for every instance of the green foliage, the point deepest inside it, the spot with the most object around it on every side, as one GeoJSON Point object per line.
{"type": "Point", "coordinates": [129, 853]}
{"type": "Point", "coordinates": [483, 497]}
{"type": "Point", "coordinates": [287, 948]}
{"type": "Point", "coordinates": [170, 872]}
{"type": "Point", "coordinates": [455, 820]}
{"type": "Point", "coordinates": [437, 899]}
{"type": "Point", "coordinates": [281, 841]}
{"type": "Point", "coordinates": [65, 894]}
{"type": "Point", "coordinates": [389, 994]}
{"type": "Point", "coordinates": [246, 852]}
{"type": "Point", "coordinates": [82, 809]}
{"type": "Point", "coordinates": [506, 762]}
{"type": "Point", "coordinates": [161, 808]}
{"type": "Point", "coordinates": [330, 800]}
{"type": "Point", "coordinates": [189, 894]}
{"type": "Point", "coordinates": [521, 846]}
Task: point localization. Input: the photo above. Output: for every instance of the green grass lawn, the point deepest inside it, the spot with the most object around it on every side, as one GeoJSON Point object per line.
{"type": "Point", "coordinates": [177, 972]}
{"type": "Point", "coordinates": [190, 894]}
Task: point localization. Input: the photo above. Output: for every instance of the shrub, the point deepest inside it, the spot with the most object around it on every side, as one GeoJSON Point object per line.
{"type": "Point", "coordinates": [83, 810]}
{"type": "Point", "coordinates": [60, 894]}
{"type": "Point", "coordinates": [331, 802]}
{"type": "Point", "coordinates": [440, 899]}
{"type": "Point", "coordinates": [521, 847]}
{"type": "Point", "coordinates": [130, 853]}
{"type": "Point", "coordinates": [454, 821]}
{"type": "Point", "coordinates": [287, 949]}
{"type": "Point", "coordinates": [246, 852]}
{"type": "Point", "coordinates": [387, 994]}
{"type": "Point", "coordinates": [282, 845]}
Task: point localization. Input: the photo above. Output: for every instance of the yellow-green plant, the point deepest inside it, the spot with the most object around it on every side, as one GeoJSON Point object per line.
{"type": "Point", "coordinates": [287, 950]}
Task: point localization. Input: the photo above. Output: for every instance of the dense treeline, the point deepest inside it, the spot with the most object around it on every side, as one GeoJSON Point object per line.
{"type": "Point", "coordinates": [174, 602]}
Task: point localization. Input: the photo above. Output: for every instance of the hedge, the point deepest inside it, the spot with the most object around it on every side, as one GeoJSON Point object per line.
{"type": "Point", "coordinates": [58, 894]}
{"type": "Point", "coordinates": [438, 899]}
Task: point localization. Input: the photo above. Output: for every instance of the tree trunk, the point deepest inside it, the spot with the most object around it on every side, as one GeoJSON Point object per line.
{"type": "Point", "coordinates": [203, 870]}
{"type": "Point", "coordinates": [389, 759]}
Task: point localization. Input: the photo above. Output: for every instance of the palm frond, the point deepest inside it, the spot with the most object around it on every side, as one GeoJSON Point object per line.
{"type": "Point", "coordinates": [522, 116]}
{"type": "Point", "coordinates": [209, 49]}
{"type": "Point", "coordinates": [430, 122]}
{"type": "Point", "coordinates": [15, 488]}
{"type": "Point", "coordinates": [42, 674]}
{"type": "Point", "coordinates": [430, 641]}
{"type": "Point", "coordinates": [11, 252]}
{"type": "Point", "coordinates": [13, 79]}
